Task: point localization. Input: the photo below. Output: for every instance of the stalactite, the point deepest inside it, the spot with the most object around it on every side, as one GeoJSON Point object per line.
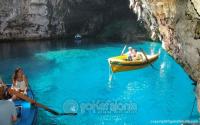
{"type": "Point", "coordinates": [153, 35]}
{"type": "Point", "coordinates": [132, 4]}
{"type": "Point", "coordinates": [138, 9]}
{"type": "Point", "coordinates": [143, 12]}
{"type": "Point", "coordinates": [139, 13]}
{"type": "Point", "coordinates": [135, 7]}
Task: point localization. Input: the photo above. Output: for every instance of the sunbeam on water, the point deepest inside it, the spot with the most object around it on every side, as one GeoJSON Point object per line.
{"type": "Point", "coordinates": [77, 80]}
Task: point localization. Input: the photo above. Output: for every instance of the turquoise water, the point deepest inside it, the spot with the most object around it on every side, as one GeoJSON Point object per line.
{"type": "Point", "coordinates": [64, 77]}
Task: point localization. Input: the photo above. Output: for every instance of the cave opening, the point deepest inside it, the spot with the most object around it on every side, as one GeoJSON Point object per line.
{"type": "Point", "coordinates": [106, 19]}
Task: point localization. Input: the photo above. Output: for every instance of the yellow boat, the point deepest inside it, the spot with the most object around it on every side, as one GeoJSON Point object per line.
{"type": "Point", "coordinates": [120, 63]}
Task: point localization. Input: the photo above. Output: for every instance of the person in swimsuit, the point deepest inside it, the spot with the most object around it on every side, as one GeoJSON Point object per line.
{"type": "Point", "coordinates": [20, 82]}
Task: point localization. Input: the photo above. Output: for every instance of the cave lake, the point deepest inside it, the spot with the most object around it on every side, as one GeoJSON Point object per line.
{"type": "Point", "coordinates": [75, 78]}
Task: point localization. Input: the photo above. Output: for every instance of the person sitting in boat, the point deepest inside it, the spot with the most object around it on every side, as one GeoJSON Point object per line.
{"type": "Point", "coordinates": [20, 82]}
{"type": "Point", "coordinates": [8, 112]}
{"type": "Point", "coordinates": [2, 84]}
{"type": "Point", "coordinates": [131, 53]}
{"type": "Point", "coordinates": [2, 88]}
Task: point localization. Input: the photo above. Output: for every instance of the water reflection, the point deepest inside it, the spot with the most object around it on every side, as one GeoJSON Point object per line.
{"type": "Point", "coordinates": [23, 49]}
{"type": "Point", "coordinates": [78, 42]}
{"type": "Point", "coordinates": [18, 49]}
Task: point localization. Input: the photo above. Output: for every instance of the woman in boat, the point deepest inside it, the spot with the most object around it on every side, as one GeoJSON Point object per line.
{"type": "Point", "coordinates": [131, 53]}
{"type": "Point", "coordinates": [20, 82]}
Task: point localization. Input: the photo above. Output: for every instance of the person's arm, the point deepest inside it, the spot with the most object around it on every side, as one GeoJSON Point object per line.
{"type": "Point", "coordinates": [26, 82]}
{"type": "Point", "coordinates": [14, 83]}
{"type": "Point", "coordinates": [1, 82]}
{"type": "Point", "coordinates": [14, 118]}
{"type": "Point", "coordinates": [127, 53]}
{"type": "Point", "coordinates": [13, 112]}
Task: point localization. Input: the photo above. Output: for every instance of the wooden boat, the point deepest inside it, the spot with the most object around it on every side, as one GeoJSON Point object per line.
{"type": "Point", "coordinates": [27, 114]}
{"type": "Point", "coordinates": [77, 37]}
{"type": "Point", "coordinates": [120, 63]}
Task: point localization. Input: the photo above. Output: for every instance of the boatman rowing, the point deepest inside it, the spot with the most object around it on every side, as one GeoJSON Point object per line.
{"type": "Point", "coordinates": [131, 53]}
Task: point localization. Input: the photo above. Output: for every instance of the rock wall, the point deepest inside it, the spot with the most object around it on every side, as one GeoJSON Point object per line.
{"type": "Point", "coordinates": [37, 19]}
{"type": "Point", "coordinates": [177, 24]}
{"type": "Point", "coordinates": [24, 19]}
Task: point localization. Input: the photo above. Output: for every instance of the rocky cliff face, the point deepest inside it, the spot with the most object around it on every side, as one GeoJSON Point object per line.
{"type": "Point", "coordinates": [25, 19]}
{"type": "Point", "coordinates": [36, 19]}
{"type": "Point", "coordinates": [177, 24]}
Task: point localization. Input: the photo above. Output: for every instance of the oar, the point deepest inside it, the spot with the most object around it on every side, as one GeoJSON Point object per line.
{"type": "Point", "coordinates": [123, 50]}
{"type": "Point", "coordinates": [147, 60]}
{"type": "Point", "coordinates": [26, 98]}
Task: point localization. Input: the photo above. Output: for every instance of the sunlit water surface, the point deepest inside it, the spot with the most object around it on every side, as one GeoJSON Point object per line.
{"type": "Point", "coordinates": [64, 77]}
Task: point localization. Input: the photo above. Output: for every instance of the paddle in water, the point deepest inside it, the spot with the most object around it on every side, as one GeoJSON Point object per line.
{"type": "Point", "coordinates": [26, 98]}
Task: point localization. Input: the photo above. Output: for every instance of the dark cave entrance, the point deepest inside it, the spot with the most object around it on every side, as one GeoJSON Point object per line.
{"type": "Point", "coordinates": [106, 19]}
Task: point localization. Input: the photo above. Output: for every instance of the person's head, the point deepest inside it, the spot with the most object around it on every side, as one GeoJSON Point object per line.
{"type": "Point", "coordinates": [18, 73]}
{"type": "Point", "coordinates": [130, 48]}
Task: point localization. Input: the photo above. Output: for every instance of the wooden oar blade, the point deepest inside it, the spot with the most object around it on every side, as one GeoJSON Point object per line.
{"type": "Point", "coordinates": [47, 108]}
{"type": "Point", "coordinates": [26, 98]}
